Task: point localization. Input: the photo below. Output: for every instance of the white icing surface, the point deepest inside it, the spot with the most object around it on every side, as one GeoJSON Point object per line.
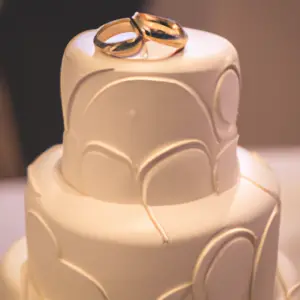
{"type": "Point", "coordinates": [148, 198]}
{"type": "Point", "coordinates": [287, 278]}
{"type": "Point", "coordinates": [120, 241]}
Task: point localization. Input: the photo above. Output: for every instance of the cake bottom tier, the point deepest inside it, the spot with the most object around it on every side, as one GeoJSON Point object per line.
{"type": "Point", "coordinates": [80, 247]}
{"type": "Point", "coordinates": [14, 284]}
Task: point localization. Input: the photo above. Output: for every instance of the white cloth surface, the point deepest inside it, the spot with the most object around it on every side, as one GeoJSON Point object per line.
{"type": "Point", "coordinates": [12, 225]}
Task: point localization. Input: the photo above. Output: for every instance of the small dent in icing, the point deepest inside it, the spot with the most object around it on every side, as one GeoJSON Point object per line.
{"type": "Point", "coordinates": [132, 113]}
{"type": "Point", "coordinates": [226, 168]}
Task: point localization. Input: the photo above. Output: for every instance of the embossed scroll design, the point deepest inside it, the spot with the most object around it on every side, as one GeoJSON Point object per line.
{"type": "Point", "coordinates": [260, 249]}
{"type": "Point", "coordinates": [146, 166]}
{"type": "Point", "coordinates": [74, 93]}
{"type": "Point", "coordinates": [204, 263]}
{"type": "Point", "coordinates": [236, 71]}
{"type": "Point", "coordinates": [115, 152]}
{"type": "Point", "coordinates": [289, 294]}
{"type": "Point", "coordinates": [202, 105]}
{"type": "Point", "coordinates": [267, 231]}
{"type": "Point", "coordinates": [71, 266]}
{"type": "Point", "coordinates": [274, 195]}
{"type": "Point", "coordinates": [140, 172]}
{"type": "Point", "coordinates": [186, 87]}
{"type": "Point", "coordinates": [293, 291]}
{"type": "Point", "coordinates": [217, 243]}
{"type": "Point", "coordinates": [181, 291]}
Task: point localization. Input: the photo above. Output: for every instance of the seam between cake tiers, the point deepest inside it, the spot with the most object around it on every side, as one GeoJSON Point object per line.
{"type": "Point", "coordinates": [152, 160]}
{"type": "Point", "coordinates": [154, 221]}
{"type": "Point", "coordinates": [121, 156]}
{"type": "Point", "coordinates": [108, 150]}
{"type": "Point", "coordinates": [32, 182]}
{"type": "Point", "coordinates": [270, 193]}
{"type": "Point", "coordinates": [147, 165]}
{"type": "Point", "coordinates": [152, 217]}
{"type": "Point", "coordinates": [160, 154]}
{"type": "Point", "coordinates": [59, 174]}
{"type": "Point", "coordinates": [148, 210]}
{"type": "Point", "coordinates": [215, 166]}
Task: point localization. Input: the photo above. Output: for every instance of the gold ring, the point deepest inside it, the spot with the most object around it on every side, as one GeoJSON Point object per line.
{"type": "Point", "coordinates": [146, 28]}
{"type": "Point", "coordinates": [120, 49]}
{"type": "Point", "coordinates": [161, 30]}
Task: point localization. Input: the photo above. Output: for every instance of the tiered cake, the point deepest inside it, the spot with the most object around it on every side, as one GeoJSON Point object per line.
{"type": "Point", "coordinates": [149, 196]}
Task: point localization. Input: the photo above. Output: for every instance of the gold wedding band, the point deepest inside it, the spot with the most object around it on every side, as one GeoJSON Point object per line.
{"type": "Point", "coordinates": [120, 49]}
{"type": "Point", "coordinates": [161, 30]}
{"type": "Point", "coordinates": [146, 28]}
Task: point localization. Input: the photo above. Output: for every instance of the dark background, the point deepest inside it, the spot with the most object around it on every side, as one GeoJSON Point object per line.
{"type": "Point", "coordinates": [33, 37]}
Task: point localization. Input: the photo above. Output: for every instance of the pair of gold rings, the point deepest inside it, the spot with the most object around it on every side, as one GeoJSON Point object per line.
{"type": "Point", "coordinates": [146, 27]}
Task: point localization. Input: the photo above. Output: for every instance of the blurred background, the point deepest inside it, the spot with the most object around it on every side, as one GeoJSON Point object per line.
{"type": "Point", "coordinates": [33, 36]}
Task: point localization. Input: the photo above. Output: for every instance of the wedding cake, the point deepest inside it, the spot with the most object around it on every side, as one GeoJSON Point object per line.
{"type": "Point", "coordinates": [149, 196]}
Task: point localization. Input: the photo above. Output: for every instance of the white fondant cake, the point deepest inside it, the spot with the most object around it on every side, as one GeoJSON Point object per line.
{"type": "Point", "coordinates": [149, 196]}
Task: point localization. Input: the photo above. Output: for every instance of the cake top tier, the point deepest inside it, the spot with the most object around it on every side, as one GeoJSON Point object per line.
{"type": "Point", "coordinates": [205, 53]}
{"type": "Point", "coordinates": [136, 129]}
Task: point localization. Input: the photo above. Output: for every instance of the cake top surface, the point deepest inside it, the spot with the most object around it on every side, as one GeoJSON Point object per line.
{"type": "Point", "coordinates": [203, 50]}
